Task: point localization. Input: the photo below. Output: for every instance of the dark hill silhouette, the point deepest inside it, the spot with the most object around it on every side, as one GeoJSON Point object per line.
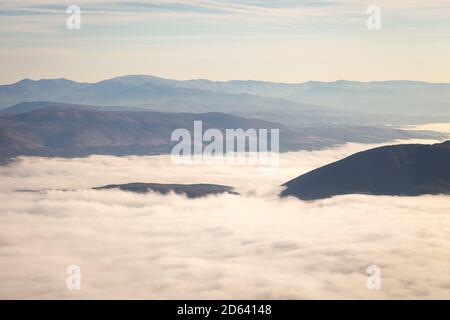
{"type": "Point", "coordinates": [190, 190]}
{"type": "Point", "coordinates": [403, 170]}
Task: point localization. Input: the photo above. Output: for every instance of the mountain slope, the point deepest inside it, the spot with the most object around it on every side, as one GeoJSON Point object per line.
{"type": "Point", "coordinates": [40, 90]}
{"type": "Point", "coordinates": [76, 131]}
{"type": "Point", "coordinates": [410, 169]}
{"type": "Point", "coordinates": [52, 129]}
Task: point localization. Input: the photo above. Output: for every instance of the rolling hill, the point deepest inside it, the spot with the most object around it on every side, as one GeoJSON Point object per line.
{"type": "Point", "coordinates": [398, 170]}
{"type": "Point", "coordinates": [52, 129]}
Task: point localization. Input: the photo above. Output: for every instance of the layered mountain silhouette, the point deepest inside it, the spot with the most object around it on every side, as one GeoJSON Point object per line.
{"type": "Point", "coordinates": [343, 102]}
{"type": "Point", "coordinates": [400, 170]}
{"type": "Point", "coordinates": [190, 190]}
{"type": "Point", "coordinates": [151, 94]}
{"type": "Point", "coordinates": [79, 130]}
{"type": "Point", "coordinates": [52, 129]}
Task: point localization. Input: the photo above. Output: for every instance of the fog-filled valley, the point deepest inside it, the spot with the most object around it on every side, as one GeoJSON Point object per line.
{"type": "Point", "coordinates": [252, 245]}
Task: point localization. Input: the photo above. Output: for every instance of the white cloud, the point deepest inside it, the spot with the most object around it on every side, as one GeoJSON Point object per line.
{"type": "Point", "coordinates": [250, 246]}
{"type": "Point", "coordinates": [439, 127]}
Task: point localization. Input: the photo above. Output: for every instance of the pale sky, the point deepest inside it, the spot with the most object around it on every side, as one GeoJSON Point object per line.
{"type": "Point", "coordinates": [274, 40]}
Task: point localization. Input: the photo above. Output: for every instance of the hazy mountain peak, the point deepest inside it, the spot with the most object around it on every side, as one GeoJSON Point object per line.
{"type": "Point", "coordinates": [397, 97]}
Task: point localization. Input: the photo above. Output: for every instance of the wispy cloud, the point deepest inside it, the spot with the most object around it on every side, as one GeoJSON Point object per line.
{"type": "Point", "coordinates": [284, 12]}
{"type": "Point", "coordinates": [304, 29]}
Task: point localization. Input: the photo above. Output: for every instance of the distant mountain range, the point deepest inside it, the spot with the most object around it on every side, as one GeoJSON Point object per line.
{"type": "Point", "coordinates": [139, 92]}
{"type": "Point", "coordinates": [400, 170]}
{"type": "Point", "coordinates": [340, 102]}
{"type": "Point", "coordinates": [52, 129]}
{"type": "Point", "coordinates": [376, 97]}
{"type": "Point", "coordinates": [190, 190]}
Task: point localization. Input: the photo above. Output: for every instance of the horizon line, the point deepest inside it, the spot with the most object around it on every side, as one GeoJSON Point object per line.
{"type": "Point", "coordinates": [221, 81]}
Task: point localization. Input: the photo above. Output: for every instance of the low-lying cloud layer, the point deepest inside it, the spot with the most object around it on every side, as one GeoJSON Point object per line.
{"type": "Point", "coordinates": [250, 246]}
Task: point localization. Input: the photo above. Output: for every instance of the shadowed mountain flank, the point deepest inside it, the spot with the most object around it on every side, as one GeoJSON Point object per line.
{"type": "Point", "coordinates": [64, 130]}
{"type": "Point", "coordinates": [400, 170]}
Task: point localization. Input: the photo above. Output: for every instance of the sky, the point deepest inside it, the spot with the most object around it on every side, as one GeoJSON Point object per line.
{"type": "Point", "coordinates": [248, 246]}
{"type": "Point", "coordinates": [282, 40]}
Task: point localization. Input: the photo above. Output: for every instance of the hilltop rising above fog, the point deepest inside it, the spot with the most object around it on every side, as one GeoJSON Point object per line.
{"type": "Point", "coordinates": [402, 170]}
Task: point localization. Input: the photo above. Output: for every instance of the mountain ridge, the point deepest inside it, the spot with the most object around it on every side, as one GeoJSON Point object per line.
{"type": "Point", "coordinates": [395, 170]}
{"type": "Point", "coordinates": [52, 129]}
{"type": "Point", "coordinates": [405, 98]}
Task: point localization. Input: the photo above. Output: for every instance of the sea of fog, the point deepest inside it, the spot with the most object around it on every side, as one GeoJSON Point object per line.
{"type": "Point", "coordinates": [248, 246]}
